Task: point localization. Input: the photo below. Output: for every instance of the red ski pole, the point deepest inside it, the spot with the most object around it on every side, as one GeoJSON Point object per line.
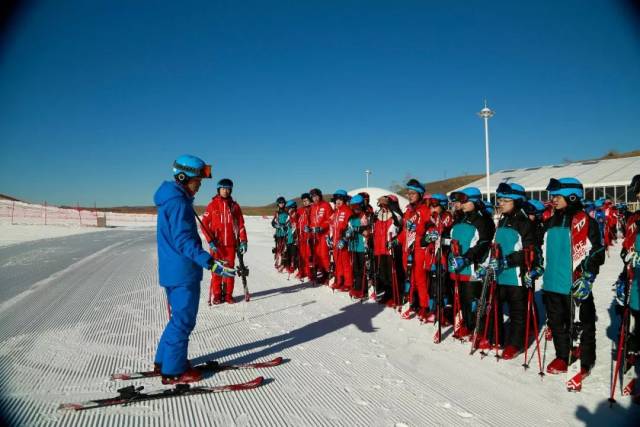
{"type": "Point", "coordinates": [458, 321]}
{"type": "Point", "coordinates": [621, 338]}
{"type": "Point", "coordinates": [528, 255]}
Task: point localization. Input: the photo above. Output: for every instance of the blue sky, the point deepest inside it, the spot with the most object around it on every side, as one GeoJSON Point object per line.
{"type": "Point", "coordinates": [99, 97]}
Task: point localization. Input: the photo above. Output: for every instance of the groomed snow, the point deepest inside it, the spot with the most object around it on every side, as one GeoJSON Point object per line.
{"type": "Point", "coordinates": [19, 233]}
{"type": "Point", "coordinates": [348, 364]}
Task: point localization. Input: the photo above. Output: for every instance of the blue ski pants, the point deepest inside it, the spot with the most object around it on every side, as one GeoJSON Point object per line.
{"type": "Point", "coordinates": [174, 343]}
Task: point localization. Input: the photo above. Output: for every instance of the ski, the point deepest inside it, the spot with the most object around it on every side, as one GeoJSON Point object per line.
{"type": "Point", "coordinates": [629, 378]}
{"type": "Point", "coordinates": [132, 394]}
{"type": "Point", "coordinates": [575, 383]}
{"type": "Point", "coordinates": [208, 366]}
{"type": "Point", "coordinates": [629, 388]}
{"type": "Point", "coordinates": [574, 374]}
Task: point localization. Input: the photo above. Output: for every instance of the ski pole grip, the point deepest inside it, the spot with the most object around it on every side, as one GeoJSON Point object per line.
{"type": "Point", "coordinates": [455, 247]}
{"type": "Point", "coordinates": [495, 251]}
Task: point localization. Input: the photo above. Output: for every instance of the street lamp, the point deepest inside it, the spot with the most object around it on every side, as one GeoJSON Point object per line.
{"type": "Point", "coordinates": [367, 173]}
{"type": "Point", "coordinates": [486, 113]}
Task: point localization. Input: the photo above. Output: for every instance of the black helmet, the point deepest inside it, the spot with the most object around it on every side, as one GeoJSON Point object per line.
{"type": "Point", "coordinates": [635, 184]}
{"type": "Point", "coordinates": [315, 192]}
{"type": "Point", "coordinates": [415, 185]}
{"type": "Point", "coordinates": [281, 200]}
{"type": "Point", "coordinates": [225, 183]}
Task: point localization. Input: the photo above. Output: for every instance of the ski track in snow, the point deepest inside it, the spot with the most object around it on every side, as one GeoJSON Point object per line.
{"type": "Point", "coordinates": [347, 363]}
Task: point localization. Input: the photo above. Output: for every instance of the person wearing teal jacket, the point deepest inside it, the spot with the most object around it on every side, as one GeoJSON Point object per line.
{"type": "Point", "coordinates": [630, 254]}
{"type": "Point", "coordinates": [573, 255]}
{"type": "Point", "coordinates": [356, 237]}
{"type": "Point", "coordinates": [473, 231]}
{"type": "Point", "coordinates": [281, 223]}
{"type": "Point", "coordinates": [515, 235]}
{"type": "Point", "coordinates": [291, 253]}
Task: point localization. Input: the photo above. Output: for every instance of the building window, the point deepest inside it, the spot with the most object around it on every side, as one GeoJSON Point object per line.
{"type": "Point", "coordinates": [608, 193]}
{"type": "Point", "coordinates": [620, 191]}
{"type": "Point", "coordinates": [599, 193]}
{"type": "Point", "coordinates": [589, 194]}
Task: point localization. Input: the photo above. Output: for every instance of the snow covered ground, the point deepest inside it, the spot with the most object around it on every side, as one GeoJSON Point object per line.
{"type": "Point", "coordinates": [78, 310]}
{"type": "Point", "coordinates": [18, 233]}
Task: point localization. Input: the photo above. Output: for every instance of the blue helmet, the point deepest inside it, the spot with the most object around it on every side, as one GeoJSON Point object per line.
{"type": "Point", "coordinates": [488, 207]}
{"type": "Point", "coordinates": [415, 185]}
{"type": "Point", "coordinates": [441, 198]}
{"type": "Point", "coordinates": [187, 166]}
{"type": "Point", "coordinates": [566, 187]}
{"type": "Point", "coordinates": [357, 200]}
{"type": "Point", "coordinates": [599, 203]}
{"type": "Point", "coordinates": [340, 194]}
{"type": "Point", "coordinates": [511, 190]}
{"type": "Point", "coordinates": [291, 204]}
{"type": "Point", "coordinates": [533, 207]}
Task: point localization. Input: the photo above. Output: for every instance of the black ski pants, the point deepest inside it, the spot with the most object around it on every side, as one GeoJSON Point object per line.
{"type": "Point", "coordinates": [469, 295]}
{"type": "Point", "coordinates": [516, 299]}
{"type": "Point", "coordinates": [359, 273]}
{"type": "Point", "coordinates": [559, 317]}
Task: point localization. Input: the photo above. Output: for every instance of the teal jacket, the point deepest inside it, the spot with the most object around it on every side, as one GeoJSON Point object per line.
{"type": "Point", "coordinates": [281, 223]}
{"type": "Point", "coordinates": [474, 233]}
{"type": "Point", "coordinates": [515, 232]}
{"type": "Point", "coordinates": [559, 238]}
{"type": "Point", "coordinates": [357, 242]}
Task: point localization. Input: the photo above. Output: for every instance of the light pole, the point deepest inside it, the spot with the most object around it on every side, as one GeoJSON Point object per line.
{"type": "Point", "coordinates": [367, 173]}
{"type": "Point", "coordinates": [486, 113]}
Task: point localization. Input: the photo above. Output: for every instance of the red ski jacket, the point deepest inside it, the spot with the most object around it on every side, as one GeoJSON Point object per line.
{"type": "Point", "coordinates": [224, 221]}
{"type": "Point", "coordinates": [420, 215]}
{"type": "Point", "coordinates": [384, 230]}
{"type": "Point", "coordinates": [339, 223]}
{"type": "Point", "coordinates": [321, 215]}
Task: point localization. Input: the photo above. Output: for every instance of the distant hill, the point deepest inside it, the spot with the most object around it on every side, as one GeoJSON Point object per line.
{"type": "Point", "coordinates": [5, 197]}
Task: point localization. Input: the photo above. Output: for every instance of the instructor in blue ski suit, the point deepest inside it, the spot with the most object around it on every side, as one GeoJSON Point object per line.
{"type": "Point", "coordinates": [180, 263]}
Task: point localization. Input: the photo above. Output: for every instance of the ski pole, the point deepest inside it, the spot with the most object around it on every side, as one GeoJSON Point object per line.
{"type": "Point", "coordinates": [394, 279]}
{"type": "Point", "coordinates": [458, 320]}
{"type": "Point", "coordinates": [621, 338]}
{"type": "Point", "coordinates": [528, 254]}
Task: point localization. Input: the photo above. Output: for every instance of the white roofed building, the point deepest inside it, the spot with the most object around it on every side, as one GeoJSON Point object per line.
{"type": "Point", "coordinates": [601, 178]}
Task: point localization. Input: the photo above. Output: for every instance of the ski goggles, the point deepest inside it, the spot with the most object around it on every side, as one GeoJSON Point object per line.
{"type": "Point", "coordinates": [434, 203]}
{"type": "Point", "coordinates": [504, 190]}
{"type": "Point", "coordinates": [458, 196]}
{"type": "Point", "coordinates": [556, 185]}
{"type": "Point", "coordinates": [203, 172]}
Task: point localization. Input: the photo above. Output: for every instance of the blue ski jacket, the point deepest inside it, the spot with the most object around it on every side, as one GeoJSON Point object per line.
{"type": "Point", "coordinates": [180, 254]}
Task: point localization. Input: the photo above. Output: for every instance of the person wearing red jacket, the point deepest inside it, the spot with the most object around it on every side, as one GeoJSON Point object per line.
{"type": "Point", "coordinates": [304, 222]}
{"type": "Point", "coordinates": [416, 217]}
{"type": "Point", "coordinates": [321, 212]}
{"type": "Point", "coordinates": [224, 229]}
{"type": "Point", "coordinates": [439, 225]}
{"type": "Point", "coordinates": [386, 226]}
{"type": "Point", "coordinates": [336, 241]}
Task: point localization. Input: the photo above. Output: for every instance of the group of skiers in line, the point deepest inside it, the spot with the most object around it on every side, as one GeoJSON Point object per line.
{"type": "Point", "coordinates": [452, 263]}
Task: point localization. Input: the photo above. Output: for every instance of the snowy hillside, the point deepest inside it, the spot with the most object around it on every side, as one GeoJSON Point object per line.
{"type": "Point", "coordinates": [73, 310]}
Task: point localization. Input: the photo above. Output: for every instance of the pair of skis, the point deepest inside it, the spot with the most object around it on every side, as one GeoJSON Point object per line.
{"type": "Point", "coordinates": [132, 394]}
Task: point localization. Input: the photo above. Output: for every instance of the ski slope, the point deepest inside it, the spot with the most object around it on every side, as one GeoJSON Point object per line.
{"type": "Point", "coordinates": [80, 310]}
